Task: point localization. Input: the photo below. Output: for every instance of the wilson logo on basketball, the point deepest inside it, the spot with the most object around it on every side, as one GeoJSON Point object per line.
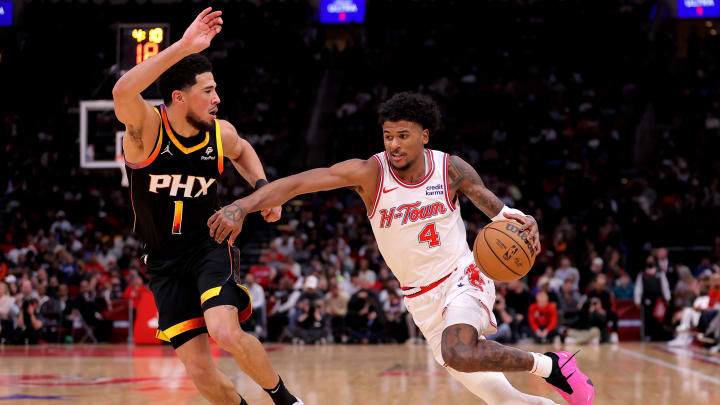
{"type": "Point", "coordinates": [514, 229]}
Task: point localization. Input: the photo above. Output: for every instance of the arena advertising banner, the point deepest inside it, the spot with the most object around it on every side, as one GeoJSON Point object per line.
{"type": "Point", "coordinates": [698, 8]}
{"type": "Point", "coordinates": [342, 11]}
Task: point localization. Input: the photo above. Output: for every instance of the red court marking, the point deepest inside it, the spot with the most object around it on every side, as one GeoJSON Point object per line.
{"type": "Point", "coordinates": [158, 388]}
{"type": "Point", "coordinates": [74, 380]}
{"type": "Point", "coordinates": [402, 370]}
{"type": "Point", "coordinates": [104, 351]}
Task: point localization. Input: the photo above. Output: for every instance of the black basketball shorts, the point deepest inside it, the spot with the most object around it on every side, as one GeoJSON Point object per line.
{"type": "Point", "coordinates": [187, 285]}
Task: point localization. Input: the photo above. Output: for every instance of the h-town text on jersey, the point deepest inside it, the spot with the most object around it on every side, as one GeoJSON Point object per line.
{"type": "Point", "coordinates": [412, 212]}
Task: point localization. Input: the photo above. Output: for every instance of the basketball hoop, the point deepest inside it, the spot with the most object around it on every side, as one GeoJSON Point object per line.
{"type": "Point", "coordinates": [91, 146]}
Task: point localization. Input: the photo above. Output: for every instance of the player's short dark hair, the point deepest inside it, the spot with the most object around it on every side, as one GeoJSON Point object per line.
{"type": "Point", "coordinates": [413, 107]}
{"type": "Point", "coordinates": [182, 75]}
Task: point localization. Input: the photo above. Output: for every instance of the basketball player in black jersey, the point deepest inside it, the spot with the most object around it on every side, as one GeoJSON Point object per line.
{"type": "Point", "coordinates": [174, 154]}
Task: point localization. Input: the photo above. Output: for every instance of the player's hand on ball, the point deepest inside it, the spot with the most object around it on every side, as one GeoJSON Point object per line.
{"type": "Point", "coordinates": [227, 223]}
{"type": "Point", "coordinates": [530, 226]}
{"type": "Point", "coordinates": [272, 214]}
{"type": "Point", "coordinates": [203, 29]}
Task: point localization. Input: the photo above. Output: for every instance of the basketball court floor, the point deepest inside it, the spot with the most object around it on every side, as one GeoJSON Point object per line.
{"type": "Point", "coordinates": [629, 373]}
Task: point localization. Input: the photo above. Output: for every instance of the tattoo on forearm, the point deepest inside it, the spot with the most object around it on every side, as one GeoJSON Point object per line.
{"type": "Point", "coordinates": [234, 212]}
{"type": "Point", "coordinates": [463, 177]}
{"type": "Point", "coordinates": [466, 353]}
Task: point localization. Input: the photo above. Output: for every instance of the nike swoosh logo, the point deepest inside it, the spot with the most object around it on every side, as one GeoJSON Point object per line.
{"type": "Point", "coordinates": [387, 191]}
{"type": "Point", "coordinates": [275, 390]}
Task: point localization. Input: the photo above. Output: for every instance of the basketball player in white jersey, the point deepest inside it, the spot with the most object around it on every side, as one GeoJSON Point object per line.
{"type": "Point", "coordinates": [411, 195]}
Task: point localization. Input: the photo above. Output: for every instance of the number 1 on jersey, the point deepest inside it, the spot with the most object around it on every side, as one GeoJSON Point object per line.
{"type": "Point", "coordinates": [177, 221]}
{"type": "Point", "coordinates": [428, 234]}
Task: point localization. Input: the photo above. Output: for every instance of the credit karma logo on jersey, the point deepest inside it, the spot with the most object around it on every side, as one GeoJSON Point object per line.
{"type": "Point", "coordinates": [174, 183]}
{"type": "Point", "coordinates": [698, 8]}
{"type": "Point", "coordinates": [434, 190]}
{"type": "Point", "coordinates": [342, 11]}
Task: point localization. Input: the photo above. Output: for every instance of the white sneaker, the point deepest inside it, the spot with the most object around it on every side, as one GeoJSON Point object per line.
{"type": "Point", "coordinates": [614, 337]}
{"type": "Point", "coordinates": [681, 340]}
{"type": "Point", "coordinates": [298, 402]}
{"type": "Point", "coordinates": [715, 349]}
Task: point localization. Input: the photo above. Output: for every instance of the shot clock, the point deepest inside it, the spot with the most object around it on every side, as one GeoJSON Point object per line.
{"type": "Point", "coordinates": [139, 42]}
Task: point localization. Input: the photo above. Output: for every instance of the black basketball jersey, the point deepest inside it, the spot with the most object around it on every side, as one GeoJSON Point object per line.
{"type": "Point", "coordinates": [174, 191]}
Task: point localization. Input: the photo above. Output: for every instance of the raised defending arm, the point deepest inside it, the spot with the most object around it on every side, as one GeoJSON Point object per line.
{"type": "Point", "coordinates": [131, 109]}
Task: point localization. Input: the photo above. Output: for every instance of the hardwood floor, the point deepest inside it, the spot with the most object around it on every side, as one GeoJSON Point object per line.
{"type": "Point", "coordinates": [629, 373]}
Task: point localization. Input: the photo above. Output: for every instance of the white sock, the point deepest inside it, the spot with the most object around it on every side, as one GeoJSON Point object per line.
{"type": "Point", "coordinates": [543, 365]}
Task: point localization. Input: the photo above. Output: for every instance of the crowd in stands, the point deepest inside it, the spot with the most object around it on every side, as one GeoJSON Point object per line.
{"type": "Point", "coordinates": [550, 121]}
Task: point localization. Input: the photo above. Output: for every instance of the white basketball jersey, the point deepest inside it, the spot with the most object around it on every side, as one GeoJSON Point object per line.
{"type": "Point", "coordinates": [418, 229]}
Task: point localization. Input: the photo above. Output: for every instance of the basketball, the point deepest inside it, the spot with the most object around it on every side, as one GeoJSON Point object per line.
{"type": "Point", "coordinates": [502, 252]}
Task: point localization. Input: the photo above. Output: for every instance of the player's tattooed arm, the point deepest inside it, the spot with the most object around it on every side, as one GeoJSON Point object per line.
{"type": "Point", "coordinates": [464, 178]}
{"type": "Point", "coordinates": [464, 352]}
{"type": "Point", "coordinates": [227, 222]}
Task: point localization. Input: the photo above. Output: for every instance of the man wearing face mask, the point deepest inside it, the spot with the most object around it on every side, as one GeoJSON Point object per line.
{"type": "Point", "coordinates": [652, 293]}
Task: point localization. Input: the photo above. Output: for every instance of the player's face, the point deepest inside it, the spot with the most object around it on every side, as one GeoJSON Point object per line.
{"type": "Point", "coordinates": [404, 143]}
{"type": "Point", "coordinates": [202, 108]}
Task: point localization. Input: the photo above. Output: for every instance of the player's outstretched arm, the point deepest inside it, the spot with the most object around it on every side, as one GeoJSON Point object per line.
{"type": "Point", "coordinates": [464, 178]}
{"type": "Point", "coordinates": [361, 174]}
{"type": "Point", "coordinates": [130, 108]}
{"type": "Point", "coordinates": [246, 162]}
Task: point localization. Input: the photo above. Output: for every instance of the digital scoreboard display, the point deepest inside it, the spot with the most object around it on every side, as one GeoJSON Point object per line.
{"type": "Point", "coordinates": [6, 13]}
{"type": "Point", "coordinates": [140, 42]}
{"type": "Point", "coordinates": [698, 8]}
{"type": "Point", "coordinates": [342, 11]}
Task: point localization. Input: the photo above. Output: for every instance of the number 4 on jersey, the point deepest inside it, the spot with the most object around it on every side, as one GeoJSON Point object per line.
{"type": "Point", "coordinates": [429, 235]}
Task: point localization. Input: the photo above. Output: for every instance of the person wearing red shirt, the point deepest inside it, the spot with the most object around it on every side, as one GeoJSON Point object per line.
{"type": "Point", "coordinates": [542, 316]}
{"type": "Point", "coordinates": [714, 292]}
{"type": "Point", "coordinates": [135, 291]}
{"type": "Point", "coordinates": [263, 273]}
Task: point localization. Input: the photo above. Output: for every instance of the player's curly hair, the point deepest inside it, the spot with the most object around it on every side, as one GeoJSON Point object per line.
{"type": "Point", "coordinates": [181, 75]}
{"type": "Point", "coordinates": [413, 107]}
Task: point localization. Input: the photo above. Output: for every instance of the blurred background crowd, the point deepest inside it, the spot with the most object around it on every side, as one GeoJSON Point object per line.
{"type": "Point", "coordinates": [606, 136]}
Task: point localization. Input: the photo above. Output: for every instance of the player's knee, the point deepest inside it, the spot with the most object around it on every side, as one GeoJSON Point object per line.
{"type": "Point", "coordinates": [457, 360]}
{"type": "Point", "coordinates": [226, 336]}
{"type": "Point", "coordinates": [458, 355]}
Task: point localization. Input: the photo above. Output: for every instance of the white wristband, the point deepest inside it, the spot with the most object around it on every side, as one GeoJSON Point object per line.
{"type": "Point", "coordinates": [505, 209]}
